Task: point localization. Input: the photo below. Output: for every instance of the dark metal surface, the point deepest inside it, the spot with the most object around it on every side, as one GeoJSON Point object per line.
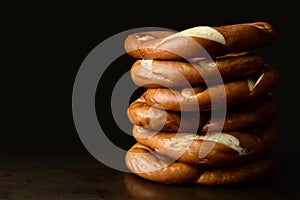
{"type": "Point", "coordinates": [82, 177]}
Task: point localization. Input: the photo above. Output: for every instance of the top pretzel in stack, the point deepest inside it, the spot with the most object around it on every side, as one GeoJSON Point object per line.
{"type": "Point", "coordinates": [189, 76]}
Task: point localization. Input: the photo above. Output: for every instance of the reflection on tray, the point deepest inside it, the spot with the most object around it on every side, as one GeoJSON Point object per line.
{"type": "Point", "coordinates": [139, 188]}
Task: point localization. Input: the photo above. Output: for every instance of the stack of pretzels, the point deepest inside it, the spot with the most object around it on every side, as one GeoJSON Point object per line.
{"type": "Point", "coordinates": [207, 113]}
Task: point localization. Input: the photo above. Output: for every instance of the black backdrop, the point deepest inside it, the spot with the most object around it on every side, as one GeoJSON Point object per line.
{"type": "Point", "coordinates": [44, 46]}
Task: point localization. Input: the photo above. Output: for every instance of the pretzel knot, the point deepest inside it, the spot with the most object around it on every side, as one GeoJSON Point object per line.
{"type": "Point", "coordinates": [207, 113]}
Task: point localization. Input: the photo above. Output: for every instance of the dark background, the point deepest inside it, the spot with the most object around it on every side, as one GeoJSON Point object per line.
{"type": "Point", "coordinates": [44, 46]}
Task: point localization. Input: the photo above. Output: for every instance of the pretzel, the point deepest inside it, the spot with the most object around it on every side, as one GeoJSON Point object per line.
{"type": "Point", "coordinates": [146, 163]}
{"type": "Point", "coordinates": [243, 117]}
{"type": "Point", "coordinates": [233, 93]}
{"type": "Point", "coordinates": [167, 73]}
{"type": "Point", "coordinates": [200, 41]}
{"type": "Point", "coordinates": [210, 149]}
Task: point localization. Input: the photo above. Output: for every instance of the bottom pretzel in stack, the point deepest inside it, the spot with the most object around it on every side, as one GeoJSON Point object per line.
{"type": "Point", "coordinates": [178, 140]}
{"type": "Point", "coordinates": [150, 165]}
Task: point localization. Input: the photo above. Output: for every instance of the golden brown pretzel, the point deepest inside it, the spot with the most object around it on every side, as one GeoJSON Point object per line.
{"type": "Point", "coordinates": [144, 162]}
{"type": "Point", "coordinates": [191, 42]}
{"type": "Point", "coordinates": [235, 92]}
{"type": "Point", "coordinates": [243, 117]}
{"type": "Point", "coordinates": [167, 73]}
{"type": "Point", "coordinates": [211, 149]}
